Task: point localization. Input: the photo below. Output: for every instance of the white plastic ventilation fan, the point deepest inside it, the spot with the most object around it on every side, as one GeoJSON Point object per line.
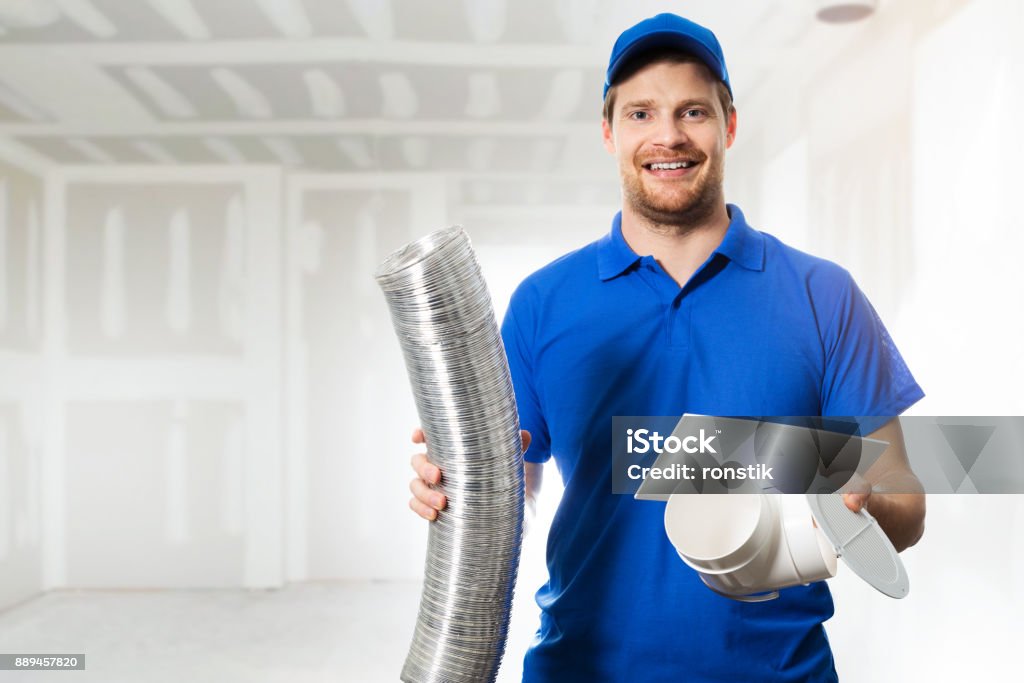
{"type": "Point", "coordinates": [748, 546]}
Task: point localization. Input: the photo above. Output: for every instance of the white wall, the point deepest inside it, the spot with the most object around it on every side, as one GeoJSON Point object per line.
{"type": "Point", "coordinates": [963, 310]}
{"type": "Point", "coordinates": [897, 154]}
{"type": "Point", "coordinates": [349, 412]}
{"type": "Point", "coordinates": [226, 402]}
{"type": "Point", "coordinates": [163, 440]}
{"type": "Point", "coordinates": [21, 387]}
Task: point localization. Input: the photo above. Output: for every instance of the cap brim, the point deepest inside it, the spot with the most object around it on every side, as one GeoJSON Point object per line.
{"type": "Point", "coordinates": [674, 39]}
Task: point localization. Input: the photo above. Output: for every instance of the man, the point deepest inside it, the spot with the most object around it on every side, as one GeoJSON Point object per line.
{"type": "Point", "coordinates": [682, 307]}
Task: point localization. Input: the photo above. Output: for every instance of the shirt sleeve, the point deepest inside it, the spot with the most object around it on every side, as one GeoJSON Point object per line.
{"type": "Point", "coordinates": [520, 364]}
{"type": "Point", "coordinates": [865, 375]}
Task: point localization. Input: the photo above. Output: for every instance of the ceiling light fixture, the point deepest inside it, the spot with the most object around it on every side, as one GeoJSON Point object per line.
{"type": "Point", "coordinates": [845, 11]}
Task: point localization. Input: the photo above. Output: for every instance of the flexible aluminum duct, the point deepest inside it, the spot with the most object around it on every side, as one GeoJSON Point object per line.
{"type": "Point", "coordinates": [442, 313]}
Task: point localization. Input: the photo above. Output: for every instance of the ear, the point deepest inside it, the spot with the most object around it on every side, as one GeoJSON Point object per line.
{"type": "Point", "coordinates": [730, 130]}
{"type": "Point", "coordinates": [606, 135]}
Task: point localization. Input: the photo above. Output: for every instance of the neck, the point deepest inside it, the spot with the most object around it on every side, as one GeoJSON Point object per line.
{"type": "Point", "coordinates": [679, 246]}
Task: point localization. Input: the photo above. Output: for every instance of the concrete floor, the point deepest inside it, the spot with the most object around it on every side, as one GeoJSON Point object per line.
{"type": "Point", "coordinates": [354, 632]}
{"type": "Point", "coordinates": [961, 622]}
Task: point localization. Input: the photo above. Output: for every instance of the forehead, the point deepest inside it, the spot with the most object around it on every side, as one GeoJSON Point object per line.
{"type": "Point", "coordinates": [665, 79]}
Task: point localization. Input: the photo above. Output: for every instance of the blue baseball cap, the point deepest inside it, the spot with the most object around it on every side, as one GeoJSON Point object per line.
{"type": "Point", "coordinates": [667, 30]}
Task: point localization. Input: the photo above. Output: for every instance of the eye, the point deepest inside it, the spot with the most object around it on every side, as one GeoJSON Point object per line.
{"type": "Point", "coordinates": [694, 114]}
{"type": "Point", "coordinates": [638, 115]}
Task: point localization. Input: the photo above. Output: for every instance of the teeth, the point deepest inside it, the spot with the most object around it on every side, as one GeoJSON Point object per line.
{"type": "Point", "coordinates": [671, 166]}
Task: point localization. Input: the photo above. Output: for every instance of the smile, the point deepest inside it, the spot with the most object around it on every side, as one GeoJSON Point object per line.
{"type": "Point", "coordinates": [669, 165]}
{"type": "Point", "coordinates": [669, 170]}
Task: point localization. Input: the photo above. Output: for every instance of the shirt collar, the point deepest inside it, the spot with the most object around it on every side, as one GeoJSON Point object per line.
{"type": "Point", "coordinates": [741, 244]}
{"type": "Point", "coordinates": [614, 256]}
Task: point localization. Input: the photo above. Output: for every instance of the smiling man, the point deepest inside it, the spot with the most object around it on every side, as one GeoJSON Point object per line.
{"type": "Point", "coordinates": [682, 308]}
{"type": "Point", "coordinates": [669, 125]}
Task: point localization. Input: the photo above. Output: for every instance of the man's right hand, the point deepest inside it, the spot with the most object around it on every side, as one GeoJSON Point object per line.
{"type": "Point", "coordinates": [425, 501]}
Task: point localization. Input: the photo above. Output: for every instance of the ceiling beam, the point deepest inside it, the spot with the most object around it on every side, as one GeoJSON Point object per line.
{"type": "Point", "coordinates": [24, 158]}
{"type": "Point", "coordinates": [227, 52]}
{"type": "Point", "coordinates": [70, 89]}
{"type": "Point", "coordinates": [375, 127]}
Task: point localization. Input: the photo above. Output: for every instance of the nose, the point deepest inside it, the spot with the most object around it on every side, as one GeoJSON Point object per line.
{"type": "Point", "coordinates": [670, 132]}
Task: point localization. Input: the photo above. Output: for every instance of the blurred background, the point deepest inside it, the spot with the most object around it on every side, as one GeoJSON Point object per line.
{"type": "Point", "coordinates": [204, 416]}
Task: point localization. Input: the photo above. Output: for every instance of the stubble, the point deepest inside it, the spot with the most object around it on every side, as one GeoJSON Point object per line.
{"type": "Point", "coordinates": [683, 209]}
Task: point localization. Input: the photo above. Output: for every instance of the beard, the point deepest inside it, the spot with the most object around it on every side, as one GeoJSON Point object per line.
{"type": "Point", "coordinates": [681, 208]}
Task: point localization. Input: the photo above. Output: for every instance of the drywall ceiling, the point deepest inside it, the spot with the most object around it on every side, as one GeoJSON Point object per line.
{"type": "Point", "coordinates": [455, 86]}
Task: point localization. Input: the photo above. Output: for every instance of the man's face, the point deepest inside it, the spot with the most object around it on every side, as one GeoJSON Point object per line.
{"type": "Point", "coordinates": [669, 134]}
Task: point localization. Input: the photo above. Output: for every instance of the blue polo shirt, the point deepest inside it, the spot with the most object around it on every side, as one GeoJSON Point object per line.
{"type": "Point", "coordinates": [759, 329]}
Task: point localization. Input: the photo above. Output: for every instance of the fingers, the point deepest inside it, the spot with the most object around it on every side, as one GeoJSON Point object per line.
{"type": "Point", "coordinates": [425, 511]}
{"type": "Point", "coordinates": [426, 495]}
{"type": "Point", "coordinates": [856, 501]}
{"type": "Point", "coordinates": [526, 439]}
{"type": "Point", "coordinates": [426, 470]}
{"type": "Point", "coordinates": [425, 501]}
{"type": "Point", "coordinates": [856, 493]}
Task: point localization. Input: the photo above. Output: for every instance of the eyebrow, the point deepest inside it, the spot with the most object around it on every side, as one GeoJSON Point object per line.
{"type": "Point", "coordinates": [647, 104]}
{"type": "Point", "coordinates": [638, 103]}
